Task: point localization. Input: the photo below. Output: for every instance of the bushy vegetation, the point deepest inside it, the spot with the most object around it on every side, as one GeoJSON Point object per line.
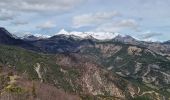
{"type": "Point", "coordinates": [142, 98]}
{"type": "Point", "coordinates": [24, 61]}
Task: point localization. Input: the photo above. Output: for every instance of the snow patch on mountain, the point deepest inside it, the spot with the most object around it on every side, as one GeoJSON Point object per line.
{"type": "Point", "coordinates": [35, 36]}
{"type": "Point", "coordinates": [42, 36]}
{"type": "Point", "coordinates": [96, 35]}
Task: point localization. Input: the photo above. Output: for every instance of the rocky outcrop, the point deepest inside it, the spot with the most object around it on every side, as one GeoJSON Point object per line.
{"type": "Point", "coordinates": [133, 50]}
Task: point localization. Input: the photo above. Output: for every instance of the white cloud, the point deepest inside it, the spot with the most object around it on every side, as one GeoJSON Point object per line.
{"type": "Point", "coordinates": [93, 18]}
{"type": "Point", "coordinates": [38, 5]}
{"type": "Point", "coordinates": [46, 25]}
{"type": "Point", "coordinates": [149, 36]}
{"type": "Point", "coordinates": [118, 26]}
{"type": "Point", "coordinates": [127, 23]}
{"type": "Point", "coordinates": [6, 15]}
{"type": "Point", "coordinates": [108, 27]}
{"type": "Point", "coordinates": [19, 22]}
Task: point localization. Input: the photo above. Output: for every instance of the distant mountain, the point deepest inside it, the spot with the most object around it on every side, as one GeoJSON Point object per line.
{"type": "Point", "coordinates": [126, 39]}
{"type": "Point", "coordinates": [71, 41]}
{"type": "Point", "coordinates": [7, 38]}
{"type": "Point", "coordinates": [101, 36]}
{"type": "Point", "coordinates": [30, 37]}
{"type": "Point", "coordinates": [15, 36]}
{"type": "Point", "coordinates": [166, 42]}
{"type": "Point", "coordinates": [61, 44]}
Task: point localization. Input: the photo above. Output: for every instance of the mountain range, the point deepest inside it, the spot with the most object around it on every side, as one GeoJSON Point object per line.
{"type": "Point", "coordinates": [84, 66]}
{"type": "Point", "coordinates": [162, 48]}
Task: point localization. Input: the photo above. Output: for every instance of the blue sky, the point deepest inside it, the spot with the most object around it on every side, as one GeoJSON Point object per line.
{"type": "Point", "coordinates": [143, 19]}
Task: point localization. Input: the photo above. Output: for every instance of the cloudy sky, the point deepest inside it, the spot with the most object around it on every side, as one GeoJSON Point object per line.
{"type": "Point", "coordinates": [143, 19]}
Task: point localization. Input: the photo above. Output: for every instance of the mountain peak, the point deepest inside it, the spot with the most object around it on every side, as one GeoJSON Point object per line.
{"type": "Point", "coordinates": [4, 33]}
{"type": "Point", "coordinates": [1, 27]}
{"type": "Point", "coordinates": [126, 39]}
{"type": "Point", "coordinates": [63, 31]}
{"type": "Point", "coordinates": [7, 38]}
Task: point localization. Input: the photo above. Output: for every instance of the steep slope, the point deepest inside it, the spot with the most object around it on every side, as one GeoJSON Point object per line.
{"type": "Point", "coordinates": [73, 73]}
{"type": "Point", "coordinates": [8, 39]}
{"type": "Point", "coordinates": [132, 62]}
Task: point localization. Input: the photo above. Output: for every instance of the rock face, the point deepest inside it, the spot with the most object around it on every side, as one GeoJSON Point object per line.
{"type": "Point", "coordinates": [38, 70]}
{"type": "Point", "coordinates": [133, 50]}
